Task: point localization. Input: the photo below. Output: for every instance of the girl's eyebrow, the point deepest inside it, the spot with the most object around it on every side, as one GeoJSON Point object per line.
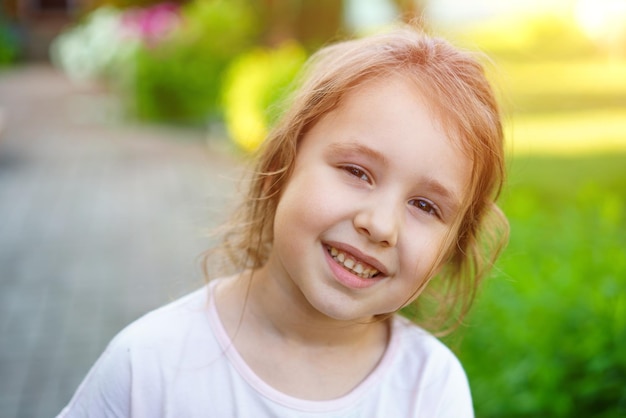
{"type": "Point", "coordinates": [430, 183]}
{"type": "Point", "coordinates": [354, 148]}
{"type": "Point", "coordinates": [451, 198]}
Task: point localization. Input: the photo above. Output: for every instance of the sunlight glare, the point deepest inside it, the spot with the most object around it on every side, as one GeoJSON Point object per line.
{"type": "Point", "coordinates": [602, 20]}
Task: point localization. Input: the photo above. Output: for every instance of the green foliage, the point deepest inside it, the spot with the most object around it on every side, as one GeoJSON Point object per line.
{"type": "Point", "coordinates": [9, 47]}
{"type": "Point", "coordinates": [179, 80]}
{"type": "Point", "coordinates": [549, 330]}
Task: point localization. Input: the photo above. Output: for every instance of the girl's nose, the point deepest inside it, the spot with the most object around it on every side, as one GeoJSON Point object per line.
{"type": "Point", "coordinates": [379, 222]}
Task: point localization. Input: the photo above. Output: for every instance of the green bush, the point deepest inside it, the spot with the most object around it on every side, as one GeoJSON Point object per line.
{"type": "Point", "coordinates": [547, 336]}
{"type": "Point", "coordinates": [9, 47]}
{"type": "Point", "coordinates": [179, 80]}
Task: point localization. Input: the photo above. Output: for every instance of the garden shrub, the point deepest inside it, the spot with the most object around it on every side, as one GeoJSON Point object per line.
{"type": "Point", "coordinates": [9, 45]}
{"type": "Point", "coordinates": [180, 80]}
{"type": "Point", "coordinates": [547, 335]}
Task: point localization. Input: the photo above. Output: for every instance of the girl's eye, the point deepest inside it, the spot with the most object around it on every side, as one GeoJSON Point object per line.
{"type": "Point", "coordinates": [357, 172]}
{"type": "Point", "coordinates": [425, 206]}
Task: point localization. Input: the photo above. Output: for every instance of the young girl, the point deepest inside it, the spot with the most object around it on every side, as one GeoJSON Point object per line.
{"type": "Point", "coordinates": [381, 177]}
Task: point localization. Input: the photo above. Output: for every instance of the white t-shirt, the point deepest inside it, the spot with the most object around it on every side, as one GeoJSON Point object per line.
{"type": "Point", "coordinates": [179, 362]}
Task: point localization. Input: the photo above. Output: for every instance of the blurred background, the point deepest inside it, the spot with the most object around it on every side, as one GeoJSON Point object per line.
{"type": "Point", "coordinates": [124, 125]}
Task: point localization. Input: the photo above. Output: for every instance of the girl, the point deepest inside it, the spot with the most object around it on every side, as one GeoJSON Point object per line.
{"type": "Point", "coordinates": [381, 177]}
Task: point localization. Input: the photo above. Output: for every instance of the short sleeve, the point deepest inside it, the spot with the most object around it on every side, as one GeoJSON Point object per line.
{"type": "Point", "coordinates": [456, 399]}
{"type": "Point", "coordinates": [105, 391]}
{"type": "Point", "coordinates": [427, 375]}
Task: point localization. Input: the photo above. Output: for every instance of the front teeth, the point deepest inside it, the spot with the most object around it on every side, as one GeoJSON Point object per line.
{"type": "Point", "coordinates": [352, 265]}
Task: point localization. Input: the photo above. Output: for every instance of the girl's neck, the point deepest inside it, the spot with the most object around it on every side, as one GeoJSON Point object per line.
{"type": "Point", "coordinates": [256, 300]}
{"type": "Point", "coordinates": [295, 349]}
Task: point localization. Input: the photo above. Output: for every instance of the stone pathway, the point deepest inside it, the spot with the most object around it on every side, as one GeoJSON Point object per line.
{"type": "Point", "coordinates": [100, 222]}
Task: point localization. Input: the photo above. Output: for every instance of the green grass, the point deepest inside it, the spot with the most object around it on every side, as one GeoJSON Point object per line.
{"type": "Point", "coordinates": [547, 335]}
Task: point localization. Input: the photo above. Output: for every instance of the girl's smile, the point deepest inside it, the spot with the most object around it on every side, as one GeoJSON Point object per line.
{"type": "Point", "coordinates": [352, 268]}
{"type": "Point", "coordinates": [374, 192]}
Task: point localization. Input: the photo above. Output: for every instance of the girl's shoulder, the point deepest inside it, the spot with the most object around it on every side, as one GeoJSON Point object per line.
{"type": "Point", "coordinates": [422, 354]}
{"type": "Point", "coordinates": [167, 324]}
{"type": "Point", "coordinates": [407, 331]}
{"type": "Point", "coordinates": [146, 360]}
{"type": "Point", "coordinates": [428, 371]}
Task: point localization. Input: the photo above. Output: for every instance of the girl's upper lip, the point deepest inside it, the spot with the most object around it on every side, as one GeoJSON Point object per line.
{"type": "Point", "coordinates": [356, 253]}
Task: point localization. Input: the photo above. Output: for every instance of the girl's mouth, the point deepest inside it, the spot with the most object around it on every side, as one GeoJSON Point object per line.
{"type": "Point", "coordinates": [356, 267]}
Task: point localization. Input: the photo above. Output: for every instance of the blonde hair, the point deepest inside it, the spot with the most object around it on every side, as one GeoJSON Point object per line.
{"type": "Point", "coordinates": [454, 83]}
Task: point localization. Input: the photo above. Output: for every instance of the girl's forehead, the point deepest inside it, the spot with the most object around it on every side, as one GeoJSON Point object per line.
{"type": "Point", "coordinates": [417, 87]}
{"type": "Point", "coordinates": [396, 91]}
{"type": "Point", "coordinates": [377, 88]}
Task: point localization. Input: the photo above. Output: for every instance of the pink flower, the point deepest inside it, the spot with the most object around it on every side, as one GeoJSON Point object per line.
{"type": "Point", "coordinates": [151, 24]}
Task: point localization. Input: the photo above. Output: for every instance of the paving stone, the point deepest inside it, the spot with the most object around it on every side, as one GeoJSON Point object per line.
{"type": "Point", "coordinates": [100, 222]}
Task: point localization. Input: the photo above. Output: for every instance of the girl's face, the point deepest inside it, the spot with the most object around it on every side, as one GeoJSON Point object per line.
{"type": "Point", "coordinates": [375, 188]}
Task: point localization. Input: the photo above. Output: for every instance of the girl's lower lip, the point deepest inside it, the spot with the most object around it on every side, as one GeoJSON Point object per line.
{"type": "Point", "coordinates": [346, 278]}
